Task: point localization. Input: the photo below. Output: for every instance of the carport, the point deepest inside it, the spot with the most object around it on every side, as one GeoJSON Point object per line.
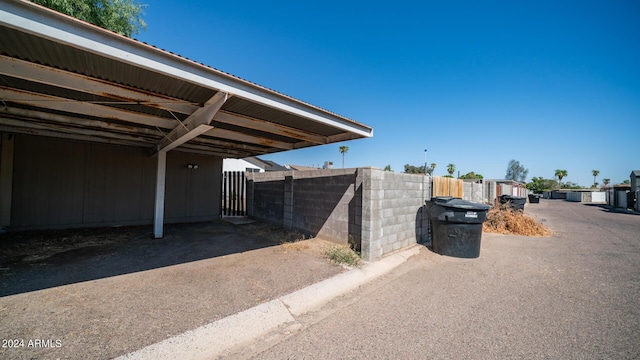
{"type": "Point", "coordinates": [62, 78]}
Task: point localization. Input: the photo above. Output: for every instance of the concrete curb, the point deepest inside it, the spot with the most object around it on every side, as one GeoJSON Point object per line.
{"type": "Point", "coordinates": [214, 339]}
{"type": "Point", "coordinates": [318, 294]}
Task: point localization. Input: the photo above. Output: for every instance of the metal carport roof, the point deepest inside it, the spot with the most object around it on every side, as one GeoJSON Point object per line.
{"type": "Point", "coordinates": [65, 78]}
{"type": "Point", "coordinates": [60, 76]}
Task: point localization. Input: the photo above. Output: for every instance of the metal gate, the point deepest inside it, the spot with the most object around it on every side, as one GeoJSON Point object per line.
{"type": "Point", "coordinates": [234, 193]}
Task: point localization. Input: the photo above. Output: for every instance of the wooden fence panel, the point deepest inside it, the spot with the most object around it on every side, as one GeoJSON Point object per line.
{"type": "Point", "coordinates": [443, 186]}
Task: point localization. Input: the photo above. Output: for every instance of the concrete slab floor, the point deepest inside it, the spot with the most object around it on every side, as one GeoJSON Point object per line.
{"type": "Point", "coordinates": [105, 292]}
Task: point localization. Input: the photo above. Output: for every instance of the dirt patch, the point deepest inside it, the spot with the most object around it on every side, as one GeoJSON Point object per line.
{"type": "Point", "coordinates": [31, 247]}
{"type": "Point", "coordinates": [100, 293]}
{"type": "Point", "coordinates": [509, 222]}
{"type": "Point", "coordinates": [273, 233]}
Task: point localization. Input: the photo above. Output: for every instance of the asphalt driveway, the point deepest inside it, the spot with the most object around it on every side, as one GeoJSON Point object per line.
{"type": "Point", "coordinates": [574, 295]}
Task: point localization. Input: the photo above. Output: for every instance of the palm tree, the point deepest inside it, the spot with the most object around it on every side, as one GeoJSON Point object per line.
{"type": "Point", "coordinates": [451, 169]}
{"type": "Point", "coordinates": [560, 174]}
{"type": "Point", "coordinates": [595, 173]}
{"type": "Point", "coordinates": [343, 150]}
{"type": "Point", "coordinates": [606, 182]}
{"type": "Point", "coordinates": [431, 168]}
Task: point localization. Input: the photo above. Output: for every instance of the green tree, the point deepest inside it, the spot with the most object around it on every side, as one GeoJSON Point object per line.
{"type": "Point", "coordinates": [606, 182]}
{"type": "Point", "coordinates": [388, 168]}
{"type": "Point", "coordinates": [516, 172]}
{"type": "Point", "coordinates": [595, 173]}
{"type": "Point", "coordinates": [560, 174]}
{"type": "Point", "coordinates": [411, 169]}
{"type": "Point", "coordinates": [343, 150]}
{"type": "Point", "coordinates": [471, 175]}
{"type": "Point", "coordinates": [539, 184]}
{"type": "Point", "coordinates": [451, 168]}
{"type": "Point", "coordinates": [121, 16]}
{"type": "Point", "coordinates": [571, 185]}
{"type": "Point", "coordinates": [627, 182]}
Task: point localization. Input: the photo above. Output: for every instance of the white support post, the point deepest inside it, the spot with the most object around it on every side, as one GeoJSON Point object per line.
{"type": "Point", "coordinates": [158, 220]}
{"type": "Point", "coordinates": [196, 124]}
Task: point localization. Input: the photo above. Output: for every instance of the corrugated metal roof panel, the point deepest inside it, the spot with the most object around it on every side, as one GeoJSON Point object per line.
{"type": "Point", "coordinates": [42, 51]}
{"type": "Point", "coordinates": [131, 70]}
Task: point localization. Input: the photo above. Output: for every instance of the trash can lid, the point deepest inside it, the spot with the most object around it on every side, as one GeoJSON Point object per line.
{"type": "Point", "coordinates": [459, 203]}
{"type": "Point", "coordinates": [511, 197]}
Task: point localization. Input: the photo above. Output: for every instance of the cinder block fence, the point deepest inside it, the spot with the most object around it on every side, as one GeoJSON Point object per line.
{"type": "Point", "coordinates": [377, 211]}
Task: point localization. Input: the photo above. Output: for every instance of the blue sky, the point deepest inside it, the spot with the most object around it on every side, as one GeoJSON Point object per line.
{"type": "Point", "coordinates": [552, 84]}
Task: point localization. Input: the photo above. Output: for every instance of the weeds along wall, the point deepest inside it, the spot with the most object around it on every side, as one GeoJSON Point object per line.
{"type": "Point", "coordinates": [376, 211]}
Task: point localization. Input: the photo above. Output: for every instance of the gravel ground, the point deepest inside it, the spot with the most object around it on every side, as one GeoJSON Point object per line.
{"type": "Point", "coordinates": [101, 293]}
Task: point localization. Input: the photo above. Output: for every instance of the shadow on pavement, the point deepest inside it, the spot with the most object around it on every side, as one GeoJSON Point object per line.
{"type": "Point", "coordinates": [612, 209]}
{"type": "Point", "coordinates": [37, 260]}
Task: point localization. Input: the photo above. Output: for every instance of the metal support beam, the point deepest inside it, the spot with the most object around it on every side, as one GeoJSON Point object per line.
{"type": "Point", "coordinates": [84, 108]}
{"type": "Point", "coordinates": [161, 174]}
{"type": "Point", "coordinates": [73, 123]}
{"type": "Point", "coordinates": [268, 127]}
{"type": "Point", "coordinates": [36, 122]}
{"type": "Point", "coordinates": [194, 125]}
{"type": "Point", "coordinates": [205, 148]}
{"type": "Point", "coordinates": [250, 139]}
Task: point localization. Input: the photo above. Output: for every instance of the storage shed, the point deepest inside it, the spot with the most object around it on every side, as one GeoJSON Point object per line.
{"type": "Point", "coordinates": [635, 188]}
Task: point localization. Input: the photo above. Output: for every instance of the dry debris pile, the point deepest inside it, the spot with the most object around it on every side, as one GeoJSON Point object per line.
{"type": "Point", "coordinates": [507, 221]}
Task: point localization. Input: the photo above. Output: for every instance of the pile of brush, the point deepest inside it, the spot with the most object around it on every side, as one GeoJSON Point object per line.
{"type": "Point", "coordinates": [504, 220]}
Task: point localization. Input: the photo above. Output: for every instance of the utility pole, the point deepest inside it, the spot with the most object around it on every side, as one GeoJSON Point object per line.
{"type": "Point", "coordinates": [425, 162]}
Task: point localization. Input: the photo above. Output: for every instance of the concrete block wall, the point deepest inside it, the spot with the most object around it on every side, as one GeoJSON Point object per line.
{"type": "Point", "coordinates": [490, 192]}
{"type": "Point", "coordinates": [393, 210]}
{"type": "Point", "coordinates": [324, 204]}
{"type": "Point", "coordinates": [378, 212]}
{"type": "Point", "coordinates": [320, 203]}
{"type": "Point", "coordinates": [265, 196]}
{"type": "Point", "coordinates": [473, 192]}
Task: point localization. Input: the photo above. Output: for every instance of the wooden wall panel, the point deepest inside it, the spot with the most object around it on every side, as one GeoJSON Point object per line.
{"type": "Point", "coordinates": [192, 193]}
{"type": "Point", "coordinates": [120, 184]}
{"type": "Point", "coordinates": [45, 191]}
{"type": "Point", "coordinates": [65, 183]}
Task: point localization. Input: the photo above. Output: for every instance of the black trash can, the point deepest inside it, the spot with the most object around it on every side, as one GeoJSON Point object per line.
{"type": "Point", "coordinates": [456, 226]}
{"type": "Point", "coordinates": [516, 202]}
{"type": "Point", "coordinates": [534, 199]}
